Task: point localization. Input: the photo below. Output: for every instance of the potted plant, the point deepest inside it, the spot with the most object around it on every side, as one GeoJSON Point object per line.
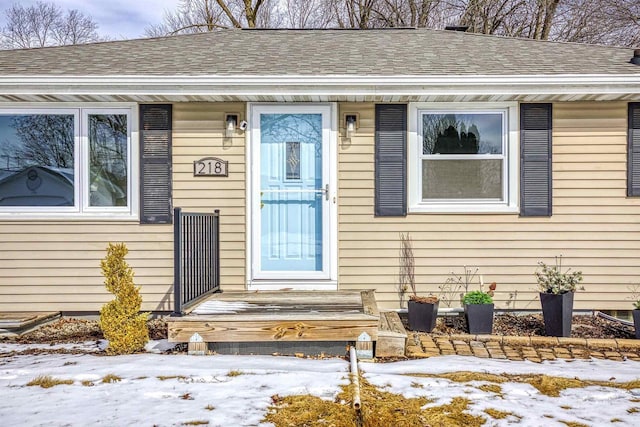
{"type": "Point", "coordinates": [422, 311]}
{"type": "Point", "coordinates": [635, 297]}
{"type": "Point", "coordinates": [478, 310]}
{"type": "Point", "coordinates": [556, 296]}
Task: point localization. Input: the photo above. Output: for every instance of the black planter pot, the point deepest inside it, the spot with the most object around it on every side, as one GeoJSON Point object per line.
{"type": "Point", "coordinates": [479, 318]}
{"type": "Point", "coordinates": [636, 322]}
{"type": "Point", "coordinates": [557, 311]}
{"type": "Point", "coordinates": [422, 316]}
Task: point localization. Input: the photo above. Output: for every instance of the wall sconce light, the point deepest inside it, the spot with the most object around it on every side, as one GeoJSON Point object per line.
{"type": "Point", "coordinates": [351, 124]}
{"type": "Point", "coordinates": [231, 121]}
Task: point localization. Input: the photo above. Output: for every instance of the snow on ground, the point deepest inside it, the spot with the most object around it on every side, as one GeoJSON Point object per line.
{"type": "Point", "coordinates": [592, 406]}
{"type": "Point", "coordinates": [168, 390]}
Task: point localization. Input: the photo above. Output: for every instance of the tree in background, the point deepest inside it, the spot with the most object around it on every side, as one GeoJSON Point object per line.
{"type": "Point", "coordinates": [198, 16]}
{"type": "Point", "coordinates": [45, 24]}
{"type": "Point", "coordinates": [612, 22]}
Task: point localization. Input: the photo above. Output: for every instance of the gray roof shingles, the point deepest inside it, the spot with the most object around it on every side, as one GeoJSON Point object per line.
{"type": "Point", "coordinates": [390, 52]}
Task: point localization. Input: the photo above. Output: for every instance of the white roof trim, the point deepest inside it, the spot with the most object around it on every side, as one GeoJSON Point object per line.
{"type": "Point", "coordinates": [321, 85]}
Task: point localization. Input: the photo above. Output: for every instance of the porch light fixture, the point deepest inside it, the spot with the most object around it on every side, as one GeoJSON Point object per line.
{"type": "Point", "coordinates": [351, 121]}
{"type": "Point", "coordinates": [231, 121]}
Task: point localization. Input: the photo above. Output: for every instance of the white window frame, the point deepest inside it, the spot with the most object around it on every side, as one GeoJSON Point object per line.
{"type": "Point", "coordinates": [81, 209]}
{"type": "Point", "coordinates": [510, 155]}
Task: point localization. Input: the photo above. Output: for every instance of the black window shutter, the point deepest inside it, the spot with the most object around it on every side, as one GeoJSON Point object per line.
{"type": "Point", "coordinates": [535, 159]}
{"type": "Point", "coordinates": [633, 156]}
{"type": "Point", "coordinates": [155, 164]}
{"type": "Point", "coordinates": [391, 160]}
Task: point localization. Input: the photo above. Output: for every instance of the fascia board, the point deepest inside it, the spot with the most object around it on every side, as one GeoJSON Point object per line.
{"type": "Point", "coordinates": [322, 85]}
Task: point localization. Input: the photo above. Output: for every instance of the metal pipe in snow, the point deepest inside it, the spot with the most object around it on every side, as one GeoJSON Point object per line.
{"type": "Point", "coordinates": [355, 378]}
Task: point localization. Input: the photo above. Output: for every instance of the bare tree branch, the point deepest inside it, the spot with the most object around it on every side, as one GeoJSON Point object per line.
{"type": "Point", "coordinates": [45, 24]}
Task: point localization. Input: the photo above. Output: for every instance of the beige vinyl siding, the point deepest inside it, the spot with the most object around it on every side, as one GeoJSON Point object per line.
{"type": "Point", "coordinates": [198, 131]}
{"type": "Point", "coordinates": [55, 265]}
{"type": "Point", "coordinates": [594, 226]}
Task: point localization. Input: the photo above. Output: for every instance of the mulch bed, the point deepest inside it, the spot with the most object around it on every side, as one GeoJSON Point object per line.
{"type": "Point", "coordinates": [70, 330]}
{"type": "Point", "coordinates": [583, 326]}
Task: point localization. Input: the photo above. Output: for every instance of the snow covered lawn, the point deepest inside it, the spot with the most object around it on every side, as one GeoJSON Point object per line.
{"type": "Point", "coordinates": [167, 390]}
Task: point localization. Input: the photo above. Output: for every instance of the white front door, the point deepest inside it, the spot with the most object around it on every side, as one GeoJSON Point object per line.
{"type": "Point", "coordinates": [292, 194]}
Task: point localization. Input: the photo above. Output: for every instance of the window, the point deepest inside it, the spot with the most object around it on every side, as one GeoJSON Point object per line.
{"type": "Point", "coordinates": [66, 161]}
{"type": "Point", "coordinates": [462, 158]}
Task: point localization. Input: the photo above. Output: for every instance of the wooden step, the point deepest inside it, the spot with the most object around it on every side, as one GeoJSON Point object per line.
{"type": "Point", "coordinates": [392, 337]}
{"type": "Point", "coordinates": [279, 316]}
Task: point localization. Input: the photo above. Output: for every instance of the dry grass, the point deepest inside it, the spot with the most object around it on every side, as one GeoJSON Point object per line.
{"type": "Point", "coordinates": [171, 377]}
{"type": "Point", "coordinates": [379, 409]}
{"type": "Point", "coordinates": [195, 423]}
{"type": "Point", "coordinates": [499, 415]}
{"type": "Point", "coordinates": [209, 407]}
{"type": "Point", "coordinates": [633, 410]}
{"type": "Point", "coordinates": [552, 386]}
{"type": "Point", "coordinates": [545, 384]}
{"type": "Point", "coordinates": [47, 381]}
{"type": "Point", "coordinates": [111, 378]}
{"type": "Point", "coordinates": [491, 388]}
{"type": "Point", "coordinates": [573, 424]}
{"type": "Point", "coordinates": [235, 373]}
{"type": "Point", "coordinates": [87, 383]}
{"type": "Point", "coordinates": [453, 414]}
{"type": "Point", "coordinates": [466, 376]}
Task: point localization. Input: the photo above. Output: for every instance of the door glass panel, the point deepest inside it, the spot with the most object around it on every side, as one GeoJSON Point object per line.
{"type": "Point", "coordinates": [293, 160]}
{"type": "Point", "coordinates": [291, 196]}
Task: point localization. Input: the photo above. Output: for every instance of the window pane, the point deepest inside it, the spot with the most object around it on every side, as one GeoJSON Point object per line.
{"type": "Point", "coordinates": [462, 179]}
{"type": "Point", "coordinates": [36, 160]}
{"type": "Point", "coordinates": [468, 133]}
{"type": "Point", "coordinates": [108, 160]}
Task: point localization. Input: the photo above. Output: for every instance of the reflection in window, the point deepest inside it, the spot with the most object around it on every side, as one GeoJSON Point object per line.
{"type": "Point", "coordinates": [108, 159]}
{"type": "Point", "coordinates": [37, 160]}
{"type": "Point", "coordinates": [475, 133]}
{"type": "Point", "coordinates": [463, 156]}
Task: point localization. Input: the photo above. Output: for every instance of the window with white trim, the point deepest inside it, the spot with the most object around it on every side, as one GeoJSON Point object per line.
{"type": "Point", "coordinates": [462, 159]}
{"type": "Point", "coordinates": [66, 161]}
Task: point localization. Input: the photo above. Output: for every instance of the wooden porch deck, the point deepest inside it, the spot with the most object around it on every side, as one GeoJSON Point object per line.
{"type": "Point", "coordinates": [289, 316]}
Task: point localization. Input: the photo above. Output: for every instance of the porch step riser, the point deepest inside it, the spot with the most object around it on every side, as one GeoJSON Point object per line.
{"type": "Point", "coordinates": [233, 331]}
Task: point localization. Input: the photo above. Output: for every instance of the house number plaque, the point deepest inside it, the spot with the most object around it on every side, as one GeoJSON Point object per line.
{"type": "Point", "coordinates": [210, 166]}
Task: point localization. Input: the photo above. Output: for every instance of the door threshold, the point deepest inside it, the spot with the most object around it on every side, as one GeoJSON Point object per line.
{"type": "Point", "coordinates": [292, 285]}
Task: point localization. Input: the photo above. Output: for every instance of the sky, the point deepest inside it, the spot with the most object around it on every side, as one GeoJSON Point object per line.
{"type": "Point", "coordinates": [169, 390]}
{"type": "Point", "coordinates": [115, 18]}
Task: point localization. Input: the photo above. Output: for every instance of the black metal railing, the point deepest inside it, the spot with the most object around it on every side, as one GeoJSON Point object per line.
{"type": "Point", "coordinates": [196, 253]}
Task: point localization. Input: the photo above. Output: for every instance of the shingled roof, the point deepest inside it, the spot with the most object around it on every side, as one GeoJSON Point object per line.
{"type": "Point", "coordinates": [390, 65]}
{"type": "Point", "coordinates": [389, 52]}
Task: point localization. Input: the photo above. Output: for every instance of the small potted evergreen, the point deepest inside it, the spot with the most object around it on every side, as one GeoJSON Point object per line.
{"type": "Point", "coordinates": [556, 296]}
{"type": "Point", "coordinates": [478, 310]}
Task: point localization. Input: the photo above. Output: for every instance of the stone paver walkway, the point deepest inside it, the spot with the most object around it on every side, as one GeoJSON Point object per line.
{"type": "Point", "coordinates": [534, 349]}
